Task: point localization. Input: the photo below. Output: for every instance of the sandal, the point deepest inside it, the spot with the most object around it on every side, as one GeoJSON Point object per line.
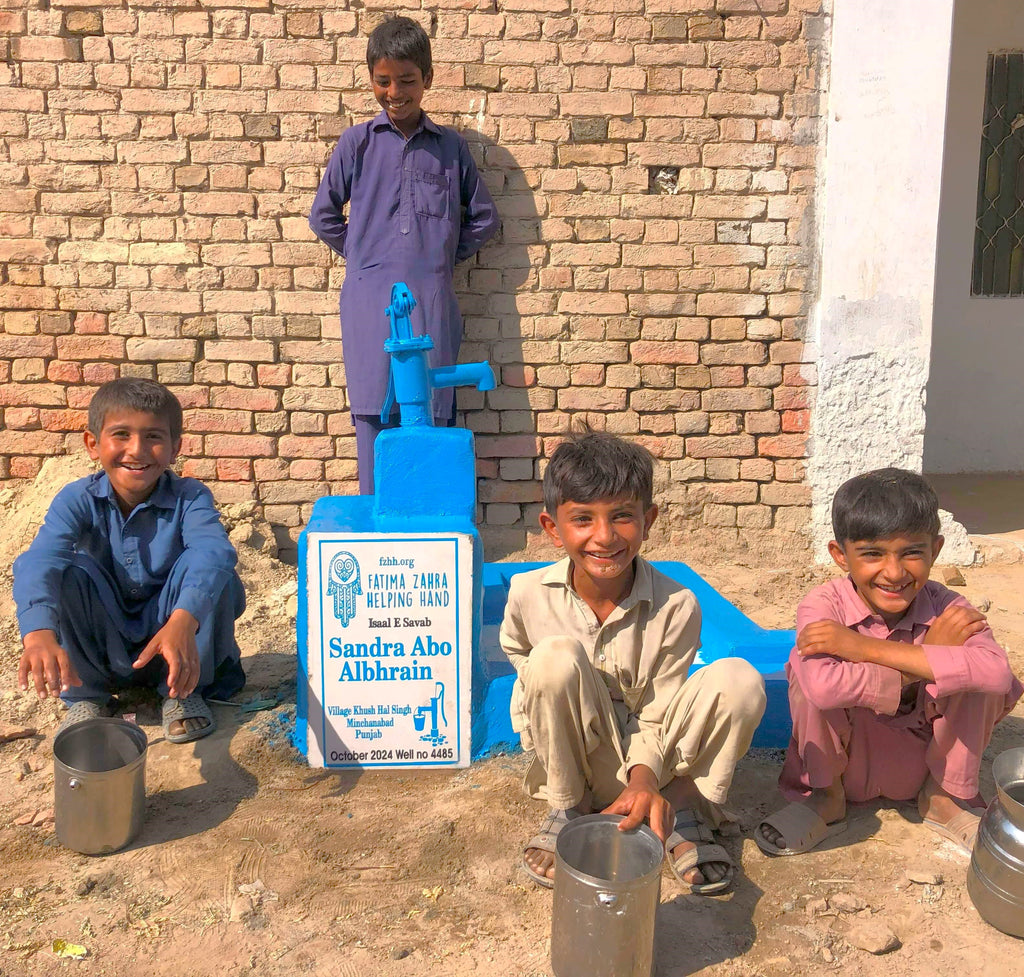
{"type": "Point", "coordinates": [544, 840]}
{"type": "Point", "coordinates": [801, 828]}
{"type": "Point", "coordinates": [83, 709]}
{"type": "Point", "coordinates": [688, 827]}
{"type": "Point", "coordinates": [191, 707]}
{"type": "Point", "coordinates": [961, 829]}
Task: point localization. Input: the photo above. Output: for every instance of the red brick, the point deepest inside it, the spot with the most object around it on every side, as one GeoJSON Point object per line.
{"type": "Point", "coordinates": [90, 323]}
{"type": "Point", "coordinates": [91, 348]}
{"type": "Point", "coordinates": [202, 468]}
{"type": "Point", "coordinates": [25, 467]}
{"type": "Point", "coordinates": [508, 446]}
{"type": "Point", "coordinates": [98, 373]}
{"type": "Point", "coordinates": [291, 446]}
{"type": "Point", "coordinates": [232, 421]}
{"type": "Point", "coordinates": [234, 469]}
{"type": "Point", "coordinates": [796, 421]}
{"type": "Point", "coordinates": [21, 347]}
{"type": "Point", "coordinates": [21, 418]}
{"type": "Point", "coordinates": [783, 446]}
{"type": "Point", "coordinates": [793, 398]}
{"type": "Point", "coordinates": [30, 443]}
{"type": "Point", "coordinates": [664, 352]}
{"type": "Point", "coordinates": [306, 470]}
{"type": "Point", "coordinates": [60, 372]}
{"type": "Point", "coordinates": [274, 374]}
{"type": "Point", "coordinates": [726, 446]}
{"type": "Point", "coordinates": [245, 398]}
{"type": "Point", "coordinates": [32, 395]}
{"type": "Point", "coordinates": [64, 420]}
{"type": "Point", "coordinates": [240, 445]}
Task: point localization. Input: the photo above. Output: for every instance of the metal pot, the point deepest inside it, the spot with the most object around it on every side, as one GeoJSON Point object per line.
{"type": "Point", "coordinates": [995, 879]}
{"type": "Point", "coordinates": [607, 889]}
{"type": "Point", "coordinates": [99, 783]}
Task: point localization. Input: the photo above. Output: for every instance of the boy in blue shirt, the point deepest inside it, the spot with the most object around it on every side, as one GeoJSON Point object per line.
{"type": "Point", "coordinates": [131, 577]}
{"type": "Point", "coordinates": [417, 206]}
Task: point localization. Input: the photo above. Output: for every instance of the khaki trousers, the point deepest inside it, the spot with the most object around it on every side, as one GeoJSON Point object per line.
{"type": "Point", "coordinates": [581, 736]}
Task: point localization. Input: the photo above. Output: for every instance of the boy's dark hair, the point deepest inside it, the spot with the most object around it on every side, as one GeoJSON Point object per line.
{"type": "Point", "coordinates": [598, 466]}
{"type": "Point", "coordinates": [883, 503]}
{"type": "Point", "coordinates": [399, 39]}
{"type": "Point", "coordinates": [135, 393]}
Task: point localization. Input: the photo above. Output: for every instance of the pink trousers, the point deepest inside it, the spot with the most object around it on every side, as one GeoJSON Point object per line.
{"type": "Point", "coordinates": [890, 756]}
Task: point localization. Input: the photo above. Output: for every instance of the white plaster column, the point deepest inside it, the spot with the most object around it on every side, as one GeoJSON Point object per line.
{"type": "Point", "coordinates": [878, 216]}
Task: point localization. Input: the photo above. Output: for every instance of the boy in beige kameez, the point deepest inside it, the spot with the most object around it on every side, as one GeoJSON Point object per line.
{"type": "Point", "coordinates": [603, 644]}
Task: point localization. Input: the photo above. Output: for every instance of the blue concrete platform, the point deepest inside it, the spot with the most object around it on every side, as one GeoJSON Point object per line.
{"type": "Point", "coordinates": [726, 632]}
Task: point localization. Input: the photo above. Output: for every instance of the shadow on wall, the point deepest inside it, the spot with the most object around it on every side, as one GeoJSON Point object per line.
{"type": "Point", "coordinates": [508, 321]}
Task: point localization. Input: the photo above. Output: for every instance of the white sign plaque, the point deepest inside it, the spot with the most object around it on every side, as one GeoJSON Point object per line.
{"type": "Point", "coordinates": [389, 653]}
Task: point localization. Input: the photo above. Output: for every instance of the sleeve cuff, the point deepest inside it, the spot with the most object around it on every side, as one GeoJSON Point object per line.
{"type": "Point", "coordinates": [889, 690]}
{"type": "Point", "coordinates": [196, 603]}
{"type": "Point", "coordinates": [640, 751]}
{"type": "Point", "coordinates": [40, 617]}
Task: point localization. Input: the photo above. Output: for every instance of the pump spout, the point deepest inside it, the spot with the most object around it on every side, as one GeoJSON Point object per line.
{"type": "Point", "coordinates": [479, 375]}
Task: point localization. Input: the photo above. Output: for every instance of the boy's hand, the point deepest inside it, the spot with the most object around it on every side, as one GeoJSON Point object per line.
{"type": "Point", "coordinates": [176, 643]}
{"type": "Point", "coordinates": [830, 638]}
{"type": "Point", "coordinates": [955, 625]}
{"type": "Point", "coordinates": [48, 664]}
{"type": "Point", "coordinates": [642, 800]}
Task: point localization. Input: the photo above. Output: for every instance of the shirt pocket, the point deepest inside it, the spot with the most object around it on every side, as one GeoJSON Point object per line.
{"type": "Point", "coordinates": [430, 194]}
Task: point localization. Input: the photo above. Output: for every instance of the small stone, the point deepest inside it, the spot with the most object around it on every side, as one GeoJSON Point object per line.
{"type": "Point", "coordinates": [952, 577]}
{"type": "Point", "coordinates": [788, 907]}
{"type": "Point", "coordinates": [983, 605]}
{"type": "Point", "coordinates": [400, 953]}
{"type": "Point", "coordinates": [240, 908]}
{"type": "Point", "coordinates": [872, 935]}
{"type": "Point", "coordinates": [924, 875]}
{"type": "Point", "coordinates": [85, 887]}
{"type": "Point", "coordinates": [816, 907]}
{"type": "Point", "coordinates": [18, 892]}
{"type": "Point", "coordinates": [827, 955]}
{"type": "Point", "coordinates": [931, 893]}
{"type": "Point", "coordinates": [847, 902]}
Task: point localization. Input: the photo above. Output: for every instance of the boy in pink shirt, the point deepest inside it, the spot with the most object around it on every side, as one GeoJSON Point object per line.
{"type": "Point", "coordinates": [895, 683]}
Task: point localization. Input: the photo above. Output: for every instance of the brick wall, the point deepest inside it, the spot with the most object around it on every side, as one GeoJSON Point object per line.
{"type": "Point", "coordinates": [653, 162]}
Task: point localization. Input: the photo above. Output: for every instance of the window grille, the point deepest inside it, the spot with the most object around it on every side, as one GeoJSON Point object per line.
{"type": "Point", "coordinates": [999, 229]}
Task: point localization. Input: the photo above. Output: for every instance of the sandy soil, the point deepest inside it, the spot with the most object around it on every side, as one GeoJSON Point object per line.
{"type": "Point", "coordinates": [252, 863]}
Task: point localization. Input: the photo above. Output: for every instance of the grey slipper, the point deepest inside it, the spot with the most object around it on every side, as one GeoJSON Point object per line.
{"type": "Point", "coordinates": [544, 840]}
{"type": "Point", "coordinates": [688, 827]}
{"type": "Point", "coordinates": [81, 710]}
{"type": "Point", "coordinates": [191, 707]}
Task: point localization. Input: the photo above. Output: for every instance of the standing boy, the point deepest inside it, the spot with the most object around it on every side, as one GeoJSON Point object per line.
{"type": "Point", "coordinates": [895, 683]}
{"type": "Point", "coordinates": [131, 577]}
{"type": "Point", "coordinates": [602, 644]}
{"type": "Point", "coordinates": [416, 207]}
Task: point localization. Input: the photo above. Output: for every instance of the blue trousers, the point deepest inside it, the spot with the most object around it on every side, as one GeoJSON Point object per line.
{"type": "Point", "coordinates": [103, 637]}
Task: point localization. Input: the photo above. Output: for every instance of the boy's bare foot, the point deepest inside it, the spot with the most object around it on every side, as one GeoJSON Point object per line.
{"type": "Point", "coordinates": [829, 803]}
{"type": "Point", "coordinates": [951, 817]}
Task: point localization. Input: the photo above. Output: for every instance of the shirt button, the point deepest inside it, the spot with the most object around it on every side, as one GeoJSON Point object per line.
{"type": "Point", "coordinates": [601, 657]}
{"type": "Point", "coordinates": [129, 560]}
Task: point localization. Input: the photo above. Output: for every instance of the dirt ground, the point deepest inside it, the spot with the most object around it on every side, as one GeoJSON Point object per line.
{"type": "Point", "coordinates": [251, 863]}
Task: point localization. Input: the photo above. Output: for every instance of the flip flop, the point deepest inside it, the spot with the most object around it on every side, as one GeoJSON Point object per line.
{"type": "Point", "coordinates": [83, 709]}
{"type": "Point", "coordinates": [802, 829]}
{"type": "Point", "coordinates": [688, 827]}
{"type": "Point", "coordinates": [961, 829]}
{"type": "Point", "coordinates": [191, 707]}
{"type": "Point", "coordinates": [544, 840]}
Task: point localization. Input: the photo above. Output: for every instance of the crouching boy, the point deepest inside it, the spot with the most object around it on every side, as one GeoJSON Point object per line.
{"type": "Point", "coordinates": [602, 644]}
{"type": "Point", "coordinates": [895, 683]}
{"type": "Point", "coordinates": [131, 577]}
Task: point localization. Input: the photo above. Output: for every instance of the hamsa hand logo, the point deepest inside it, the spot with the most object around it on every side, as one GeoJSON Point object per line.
{"type": "Point", "coordinates": [343, 585]}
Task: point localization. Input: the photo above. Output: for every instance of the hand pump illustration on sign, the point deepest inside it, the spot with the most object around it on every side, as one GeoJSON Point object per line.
{"type": "Point", "coordinates": [390, 584]}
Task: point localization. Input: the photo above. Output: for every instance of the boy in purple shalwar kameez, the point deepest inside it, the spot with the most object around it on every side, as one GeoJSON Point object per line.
{"type": "Point", "coordinates": [417, 206]}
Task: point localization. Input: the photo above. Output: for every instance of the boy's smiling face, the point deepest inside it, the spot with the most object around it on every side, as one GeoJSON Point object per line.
{"type": "Point", "coordinates": [600, 537]}
{"type": "Point", "coordinates": [888, 573]}
{"type": "Point", "coordinates": [135, 448]}
{"type": "Point", "coordinates": [399, 87]}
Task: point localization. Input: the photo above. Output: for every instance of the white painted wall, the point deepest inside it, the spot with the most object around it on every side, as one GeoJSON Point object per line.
{"type": "Point", "coordinates": [976, 385]}
{"type": "Point", "coordinates": [878, 208]}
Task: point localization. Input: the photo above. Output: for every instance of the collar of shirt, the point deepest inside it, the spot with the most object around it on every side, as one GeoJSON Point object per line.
{"type": "Point", "coordinates": [382, 121]}
{"type": "Point", "coordinates": [856, 611]}
{"type": "Point", "coordinates": [559, 575]}
{"type": "Point", "coordinates": [162, 496]}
